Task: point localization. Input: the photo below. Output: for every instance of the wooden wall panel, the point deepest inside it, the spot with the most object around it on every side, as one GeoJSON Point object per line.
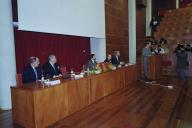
{"type": "Point", "coordinates": [42, 100]}
{"type": "Point", "coordinates": [116, 12]}
{"type": "Point", "coordinates": [140, 28]}
{"type": "Point", "coordinates": [141, 34]}
{"type": "Point", "coordinates": [22, 108]}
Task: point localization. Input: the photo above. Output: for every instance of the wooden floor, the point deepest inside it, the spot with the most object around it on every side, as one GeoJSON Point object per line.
{"type": "Point", "coordinates": [137, 106]}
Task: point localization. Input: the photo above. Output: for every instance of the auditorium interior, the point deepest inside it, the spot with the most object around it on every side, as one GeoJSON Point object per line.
{"type": "Point", "coordinates": [107, 96]}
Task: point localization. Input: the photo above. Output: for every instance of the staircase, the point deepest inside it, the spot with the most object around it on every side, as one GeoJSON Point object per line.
{"type": "Point", "coordinates": [176, 26]}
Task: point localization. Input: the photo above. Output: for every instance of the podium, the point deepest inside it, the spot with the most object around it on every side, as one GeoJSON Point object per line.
{"type": "Point", "coordinates": [155, 67]}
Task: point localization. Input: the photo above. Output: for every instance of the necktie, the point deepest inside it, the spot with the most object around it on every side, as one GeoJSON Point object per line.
{"type": "Point", "coordinates": [117, 58]}
{"type": "Point", "coordinates": [35, 73]}
{"type": "Point", "coordinates": [53, 66]}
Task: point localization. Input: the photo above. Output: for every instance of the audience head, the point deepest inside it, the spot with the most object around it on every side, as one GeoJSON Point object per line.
{"type": "Point", "coordinates": [34, 61]}
{"type": "Point", "coordinates": [148, 44]}
{"type": "Point", "coordinates": [163, 41]}
{"type": "Point", "coordinates": [52, 59]}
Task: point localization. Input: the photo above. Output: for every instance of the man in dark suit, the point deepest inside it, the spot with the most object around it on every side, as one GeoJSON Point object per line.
{"type": "Point", "coordinates": [32, 72]}
{"type": "Point", "coordinates": [116, 58]}
{"type": "Point", "coordinates": [51, 68]}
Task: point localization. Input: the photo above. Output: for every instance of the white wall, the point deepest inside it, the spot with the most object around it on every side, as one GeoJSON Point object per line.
{"type": "Point", "coordinates": [69, 17]}
{"type": "Point", "coordinates": [7, 54]}
{"type": "Point", "coordinates": [177, 4]}
{"type": "Point", "coordinates": [148, 17]}
{"type": "Point", "coordinates": [98, 47]}
{"type": "Point", "coordinates": [132, 31]}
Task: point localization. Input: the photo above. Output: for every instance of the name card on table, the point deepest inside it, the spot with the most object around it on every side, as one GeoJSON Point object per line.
{"type": "Point", "coordinates": [53, 82]}
{"type": "Point", "coordinates": [79, 76]}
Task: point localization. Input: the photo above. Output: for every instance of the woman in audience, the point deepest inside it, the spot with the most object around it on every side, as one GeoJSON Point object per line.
{"type": "Point", "coordinates": [91, 62]}
{"type": "Point", "coordinates": [163, 46]}
{"type": "Point", "coordinates": [154, 48]}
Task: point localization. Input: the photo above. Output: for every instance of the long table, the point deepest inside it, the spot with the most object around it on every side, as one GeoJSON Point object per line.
{"type": "Point", "coordinates": [38, 106]}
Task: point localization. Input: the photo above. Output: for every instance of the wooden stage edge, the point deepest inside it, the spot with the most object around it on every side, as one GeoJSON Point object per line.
{"type": "Point", "coordinates": [37, 106]}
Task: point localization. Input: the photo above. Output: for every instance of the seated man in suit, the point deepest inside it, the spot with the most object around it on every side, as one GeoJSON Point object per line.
{"type": "Point", "coordinates": [51, 68]}
{"type": "Point", "coordinates": [91, 62]}
{"type": "Point", "coordinates": [116, 58]}
{"type": "Point", "coordinates": [32, 72]}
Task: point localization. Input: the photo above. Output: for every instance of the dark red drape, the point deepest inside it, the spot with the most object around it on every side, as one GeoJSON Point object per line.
{"type": "Point", "coordinates": [71, 51]}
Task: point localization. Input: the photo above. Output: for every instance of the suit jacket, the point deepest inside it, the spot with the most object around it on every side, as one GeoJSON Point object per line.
{"type": "Point", "coordinates": [49, 71]}
{"type": "Point", "coordinates": [182, 59]}
{"type": "Point", "coordinates": [29, 76]}
{"type": "Point", "coordinates": [90, 64]}
{"type": "Point", "coordinates": [115, 61]}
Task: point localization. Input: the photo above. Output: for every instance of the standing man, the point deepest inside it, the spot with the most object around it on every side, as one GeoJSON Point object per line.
{"type": "Point", "coordinates": [51, 68]}
{"type": "Point", "coordinates": [146, 52]}
{"type": "Point", "coordinates": [32, 72]}
{"type": "Point", "coordinates": [181, 62]}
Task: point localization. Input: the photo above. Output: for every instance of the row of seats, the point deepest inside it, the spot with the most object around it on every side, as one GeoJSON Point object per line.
{"type": "Point", "coordinates": [179, 11]}
{"type": "Point", "coordinates": [178, 20]}
{"type": "Point", "coordinates": [175, 24]}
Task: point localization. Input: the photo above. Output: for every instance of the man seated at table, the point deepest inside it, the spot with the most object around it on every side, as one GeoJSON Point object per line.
{"type": "Point", "coordinates": [51, 68]}
{"type": "Point", "coordinates": [116, 58]}
{"type": "Point", "coordinates": [91, 62]}
{"type": "Point", "coordinates": [32, 72]}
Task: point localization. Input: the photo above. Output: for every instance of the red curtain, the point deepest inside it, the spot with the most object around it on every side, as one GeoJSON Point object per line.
{"type": "Point", "coordinates": [71, 51]}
